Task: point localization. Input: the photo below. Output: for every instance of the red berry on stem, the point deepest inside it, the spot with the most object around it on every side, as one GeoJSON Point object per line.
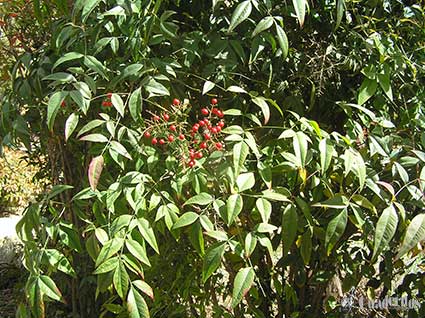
{"type": "Point", "coordinates": [199, 155]}
{"type": "Point", "coordinates": [201, 123]}
{"type": "Point", "coordinates": [217, 128]}
{"type": "Point", "coordinates": [147, 134]}
{"type": "Point", "coordinates": [154, 141]}
{"type": "Point", "coordinates": [191, 163]}
{"type": "Point", "coordinates": [109, 95]}
{"type": "Point", "coordinates": [173, 128]}
{"type": "Point", "coordinates": [181, 137]}
{"type": "Point", "coordinates": [203, 145]}
{"type": "Point", "coordinates": [218, 146]}
{"type": "Point", "coordinates": [214, 130]}
{"type": "Point", "coordinates": [166, 117]}
{"type": "Point", "coordinates": [195, 127]}
{"type": "Point", "coordinates": [176, 102]}
{"type": "Point", "coordinates": [214, 101]}
{"type": "Point", "coordinates": [156, 118]}
{"type": "Point", "coordinates": [204, 111]}
{"type": "Point", "coordinates": [220, 113]}
{"type": "Point", "coordinates": [161, 141]}
{"type": "Point", "coordinates": [221, 124]}
{"type": "Point", "coordinates": [207, 136]}
{"type": "Point", "coordinates": [170, 138]}
{"type": "Point", "coordinates": [63, 103]}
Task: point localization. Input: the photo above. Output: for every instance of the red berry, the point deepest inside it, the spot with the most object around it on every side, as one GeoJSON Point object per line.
{"type": "Point", "coordinates": [195, 127]}
{"type": "Point", "coordinates": [217, 128]}
{"type": "Point", "coordinates": [207, 136]}
{"type": "Point", "coordinates": [147, 134]}
{"type": "Point", "coordinates": [63, 103]}
{"type": "Point", "coordinates": [170, 138]}
{"type": "Point", "coordinates": [203, 145]}
{"type": "Point", "coordinates": [214, 129]}
{"type": "Point", "coordinates": [220, 114]}
{"type": "Point", "coordinates": [201, 123]}
{"type": "Point", "coordinates": [214, 111]}
{"type": "Point", "coordinates": [195, 141]}
{"type": "Point", "coordinates": [176, 102]}
{"type": "Point", "coordinates": [221, 124]}
{"type": "Point", "coordinates": [192, 155]}
{"type": "Point", "coordinates": [214, 101]}
{"type": "Point", "coordinates": [166, 117]}
{"type": "Point", "coordinates": [156, 118]}
{"type": "Point", "coordinates": [204, 111]}
{"type": "Point", "coordinates": [218, 146]}
{"type": "Point", "coordinates": [173, 128]}
{"type": "Point", "coordinates": [191, 163]}
{"type": "Point", "coordinates": [206, 121]}
{"type": "Point", "coordinates": [199, 155]}
{"type": "Point", "coordinates": [154, 141]}
{"type": "Point", "coordinates": [161, 141]}
{"type": "Point", "coordinates": [109, 95]}
{"type": "Point", "coordinates": [181, 137]}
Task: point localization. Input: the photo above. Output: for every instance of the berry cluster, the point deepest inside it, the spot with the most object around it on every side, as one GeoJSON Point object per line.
{"type": "Point", "coordinates": [107, 102]}
{"type": "Point", "coordinates": [192, 142]}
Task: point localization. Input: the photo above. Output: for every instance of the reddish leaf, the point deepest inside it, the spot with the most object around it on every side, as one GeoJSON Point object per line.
{"type": "Point", "coordinates": [95, 170]}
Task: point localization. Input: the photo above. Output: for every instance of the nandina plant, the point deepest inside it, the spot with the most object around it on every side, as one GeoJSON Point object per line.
{"type": "Point", "coordinates": [223, 159]}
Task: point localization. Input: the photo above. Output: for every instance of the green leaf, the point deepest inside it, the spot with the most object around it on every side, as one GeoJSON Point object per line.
{"type": "Point", "coordinates": [264, 207]}
{"type": "Point", "coordinates": [107, 266]}
{"type": "Point", "coordinates": [326, 150]}
{"type": "Point", "coordinates": [338, 201]}
{"type": "Point", "coordinates": [200, 199]}
{"type": "Point", "coordinates": [283, 41]}
{"type": "Point", "coordinates": [53, 107]}
{"type": "Point", "coordinates": [245, 181]}
{"type": "Point", "coordinates": [58, 189]}
{"type": "Point", "coordinates": [385, 230]}
{"type": "Point", "coordinates": [94, 64]}
{"type": "Point", "coordinates": [261, 102]}
{"type": "Point", "coordinates": [67, 57]}
{"type": "Point", "coordinates": [359, 168]}
{"type": "Point", "coordinates": [300, 6]}
{"type": "Point", "coordinates": [367, 90]}
{"type": "Point", "coordinates": [236, 89]}
{"type": "Point", "coordinates": [186, 219]}
{"type": "Point", "coordinates": [90, 125]}
{"type": "Point", "coordinates": [58, 261]}
{"type": "Point", "coordinates": [208, 85]}
{"type": "Point", "coordinates": [95, 170]}
{"type": "Point", "coordinates": [135, 104]}
{"type": "Point", "coordinates": [120, 149]}
{"type": "Point", "coordinates": [148, 233]}
{"type": "Point", "coordinates": [385, 83]}
{"type": "Point", "coordinates": [415, 233]}
{"type": "Point", "coordinates": [144, 288]}
{"type": "Point", "coordinates": [49, 288]}
{"type": "Point", "coordinates": [136, 305]}
{"type": "Point", "coordinates": [240, 152]}
{"type": "Point", "coordinates": [212, 260]}
{"type": "Point", "coordinates": [137, 250]}
{"type": "Point", "coordinates": [234, 129]}
{"type": "Point", "coordinates": [88, 6]}
{"type": "Point", "coordinates": [60, 77]}
{"type": "Point", "coordinates": [234, 206]}
{"type": "Point", "coordinates": [241, 13]}
{"type": "Point", "coordinates": [335, 229]}
{"type": "Point", "coordinates": [155, 88]}
{"type": "Point", "coordinates": [94, 138]}
{"type": "Point", "coordinates": [289, 227]}
{"type": "Point", "coordinates": [300, 147]}
{"type": "Point", "coordinates": [306, 247]}
{"type": "Point", "coordinates": [263, 25]}
{"type": "Point", "coordinates": [118, 103]}
{"type": "Point", "coordinates": [242, 284]}
{"type": "Point", "coordinates": [340, 10]}
{"type": "Point", "coordinates": [121, 279]}
{"type": "Point", "coordinates": [78, 98]}
{"type": "Point", "coordinates": [110, 248]}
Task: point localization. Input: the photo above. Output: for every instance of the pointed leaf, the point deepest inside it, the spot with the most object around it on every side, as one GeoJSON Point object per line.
{"type": "Point", "coordinates": [242, 284]}
{"type": "Point", "coordinates": [70, 125]}
{"type": "Point", "coordinates": [367, 90]}
{"type": "Point", "coordinates": [95, 170]}
{"type": "Point", "coordinates": [415, 233]}
{"type": "Point", "coordinates": [263, 25]}
{"type": "Point", "coordinates": [200, 199]}
{"type": "Point", "coordinates": [289, 227]}
{"type": "Point", "coordinates": [186, 219]}
{"type": "Point", "coordinates": [135, 104]}
{"type": "Point", "coordinates": [136, 305]}
{"type": "Point", "coordinates": [300, 6]}
{"type": "Point", "coordinates": [241, 13]}
{"type": "Point", "coordinates": [118, 103]}
{"type": "Point", "coordinates": [385, 230]}
{"type": "Point", "coordinates": [283, 41]}
{"type": "Point", "coordinates": [208, 85]}
{"type": "Point", "coordinates": [148, 233]}
{"type": "Point", "coordinates": [212, 260]}
{"type": "Point", "coordinates": [53, 107]}
{"type": "Point", "coordinates": [335, 229]}
{"type": "Point", "coordinates": [261, 102]}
